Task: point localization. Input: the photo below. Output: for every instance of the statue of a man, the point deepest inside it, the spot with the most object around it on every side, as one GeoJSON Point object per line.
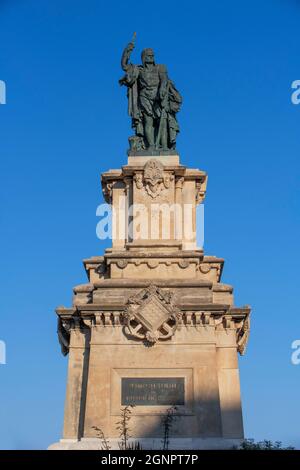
{"type": "Point", "coordinates": [153, 102]}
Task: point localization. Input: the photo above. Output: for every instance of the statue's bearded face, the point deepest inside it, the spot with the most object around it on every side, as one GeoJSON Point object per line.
{"type": "Point", "coordinates": [148, 56]}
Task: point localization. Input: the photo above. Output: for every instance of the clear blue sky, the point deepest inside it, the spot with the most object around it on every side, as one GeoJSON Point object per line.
{"type": "Point", "coordinates": [65, 122]}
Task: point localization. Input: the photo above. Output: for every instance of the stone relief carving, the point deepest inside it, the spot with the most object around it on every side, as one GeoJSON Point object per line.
{"type": "Point", "coordinates": [204, 268]}
{"type": "Point", "coordinates": [138, 178]}
{"type": "Point", "coordinates": [243, 335]}
{"type": "Point", "coordinates": [64, 327]}
{"type": "Point", "coordinates": [107, 191]}
{"type": "Point", "coordinates": [167, 180]}
{"type": "Point", "coordinates": [153, 179]}
{"type": "Point", "coordinates": [200, 191]}
{"type": "Point", "coordinates": [154, 263]}
{"type": "Point", "coordinates": [101, 269]}
{"type": "Point", "coordinates": [151, 315]}
{"type": "Point", "coordinates": [179, 182]}
{"type": "Point", "coordinates": [184, 263]}
{"type": "Point", "coordinates": [63, 333]}
{"type": "Point", "coordinates": [122, 263]}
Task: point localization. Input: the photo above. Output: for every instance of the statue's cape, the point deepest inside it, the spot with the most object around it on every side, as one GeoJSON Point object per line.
{"type": "Point", "coordinates": [175, 99]}
{"type": "Point", "coordinates": [130, 80]}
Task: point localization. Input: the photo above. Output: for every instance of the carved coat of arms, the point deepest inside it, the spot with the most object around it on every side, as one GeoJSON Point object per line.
{"type": "Point", "coordinates": [151, 315]}
{"type": "Point", "coordinates": [154, 178]}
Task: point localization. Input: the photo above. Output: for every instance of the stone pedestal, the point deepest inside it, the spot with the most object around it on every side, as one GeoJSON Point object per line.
{"type": "Point", "coordinates": [154, 326]}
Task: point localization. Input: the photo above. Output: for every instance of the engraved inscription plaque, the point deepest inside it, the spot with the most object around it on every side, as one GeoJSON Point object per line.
{"type": "Point", "coordinates": [152, 391]}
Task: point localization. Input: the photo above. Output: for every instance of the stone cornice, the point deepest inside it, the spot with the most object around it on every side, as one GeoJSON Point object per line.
{"type": "Point", "coordinates": [116, 283]}
{"type": "Point", "coordinates": [178, 170]}
{"type": "Point", "coordinates": [138, 283]}
{"type": "Point", "coordinates": [217, 309]}
{"type": "Point", "coordinates": [220, 317]}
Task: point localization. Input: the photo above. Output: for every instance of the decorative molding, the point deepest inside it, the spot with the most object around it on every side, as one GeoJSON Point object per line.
{"type": "Point", "coordinates": [227, 321]}
{"type": "Point", "coordinates": [179, 181]}
{"type": "Point", "coordinates": [151, 316]}
{"type": "Point", "coordinates": [206, 318]}
{"type": "Point", "coordinates": [183, 263]}
{"type": "Point", "coordinates": [154, 263]}
{"type": "Point", "coordinates": [218, 267]}
{"type": "Point", "coordinates": [122, 263]}
{"type": "Point", "coordinates": [204, 268]}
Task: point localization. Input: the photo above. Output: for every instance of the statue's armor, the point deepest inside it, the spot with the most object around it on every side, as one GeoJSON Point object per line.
{"type": "Point", "coordinates": [149, 81]}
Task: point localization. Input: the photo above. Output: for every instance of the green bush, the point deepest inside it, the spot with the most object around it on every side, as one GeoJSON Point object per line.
{"type": "Point", "coordinates": [250, 444]}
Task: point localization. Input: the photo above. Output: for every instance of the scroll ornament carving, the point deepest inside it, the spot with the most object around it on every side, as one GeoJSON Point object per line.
{"type": "Point", "coordinates": [122, 263]}
{"type": "Point", "coordinates": [64, 327]}
{"type": "Point", "coordinates": [200, 192]}
{"type": "Point", "coordinates": [183, 263]}
{"type": "Point", "coordinates": [205, 268]}
{"type": "Point", "coordinates": [63, 333]}
{"type": "Point", "coordinates": [152, 264]}
{"type": "Point", "coordinates": [153, 179]}
{"type": "Point", "coordinates": [107, 191]}
{"type": "Point", "coordinates": [151, 315]}
{"type": "Point", "coordinates": [101, 269]}
{"type": "Point", "coordinates": [243, 335]}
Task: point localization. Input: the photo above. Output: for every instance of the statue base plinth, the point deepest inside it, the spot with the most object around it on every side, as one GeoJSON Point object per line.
{"type": "Point", "coordinates": [154, 326]}
{"type": "Point", "coordinates": [153, 153]}
{"type": "Point", "coordinates": [212, 443]}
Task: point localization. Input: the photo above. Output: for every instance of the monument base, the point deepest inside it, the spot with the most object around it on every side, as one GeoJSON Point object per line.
{"type": "Point", "coordinates": [213, 443]}
{"type": "Point", "coordinates": [154, 327]}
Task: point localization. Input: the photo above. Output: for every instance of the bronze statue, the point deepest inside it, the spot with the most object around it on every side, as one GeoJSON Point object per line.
{"type": "Point", "coordinates": [153, 102]}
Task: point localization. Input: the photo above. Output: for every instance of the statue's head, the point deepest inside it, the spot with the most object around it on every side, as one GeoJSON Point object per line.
{"type": "Point", "coordinates": [148, 56]}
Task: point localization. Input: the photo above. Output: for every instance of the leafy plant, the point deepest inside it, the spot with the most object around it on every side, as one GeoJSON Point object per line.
{"type": "Point", "coordinates": [104, 442]}
{"type": "Point", "coordinates": [123, 427]}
